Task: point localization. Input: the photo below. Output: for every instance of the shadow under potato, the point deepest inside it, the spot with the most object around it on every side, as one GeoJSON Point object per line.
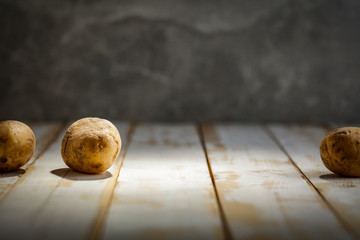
{"type": "Point", "coordinates": [15, 173]}
{"type": "Point", "coordinates": [333, 176]}
{"type": "Point", "coordinates": [67, 173]}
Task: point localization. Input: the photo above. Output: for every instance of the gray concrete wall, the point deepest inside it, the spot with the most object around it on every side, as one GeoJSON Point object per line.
{"type": "Point", "coordinates": [279, 60]}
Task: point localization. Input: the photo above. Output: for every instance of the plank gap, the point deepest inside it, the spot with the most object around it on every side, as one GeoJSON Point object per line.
{"type": "Point", "coordinates": [48, 198]}
{"type": "Point", "coordinates": [164, 189]}
{"type": "Point", "coordinates": [49, 138]}
{"type": "Point", "coordinates": [52, 189]}
{"type": "Point", "coordinates": [99, 222]}
{"type": "Point", "coordinates": [342, 221]}
{"type": "Point", "coordinates": [224, 222]}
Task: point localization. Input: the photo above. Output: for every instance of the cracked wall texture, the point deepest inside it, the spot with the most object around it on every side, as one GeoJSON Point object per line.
{"type": "Point", "coordinates": [279, 60]}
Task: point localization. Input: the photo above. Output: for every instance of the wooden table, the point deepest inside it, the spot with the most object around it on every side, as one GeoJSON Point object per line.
{"type": "Point", "coordinates": [184, 181]}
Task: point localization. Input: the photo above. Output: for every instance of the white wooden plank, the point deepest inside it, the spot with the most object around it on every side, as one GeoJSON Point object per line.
{"type": "Point", "coordinates": [262, 194]}
{"type": "Point", "coordinates": [44, 134]}
{"type": "Point", "coordinates": [302, 144]}
{"type": "Point", "coordinates": [164, 188]}
{"type": "Point", "coordinates": [40, 210]}
{"type": "Point", "coordinates": [23, 203]}
{"type": "Point", "coordinates": [71, 211]}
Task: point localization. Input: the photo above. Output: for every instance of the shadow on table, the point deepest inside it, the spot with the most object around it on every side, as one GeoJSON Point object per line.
{"type": "Point", "coordinates": [332, 176]}
{"type": "Point", "coordinates": [67, 173]}
{"type": "Point", "coordinates": [16, 173]}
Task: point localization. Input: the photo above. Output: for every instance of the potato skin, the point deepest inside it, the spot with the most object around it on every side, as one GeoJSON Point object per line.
{"type": "Point", "coordinates": [340, 151]}
{"type": "Point", "coordinates": [17, 145]}
{"type": "Point", "coordinates": [91, 145]}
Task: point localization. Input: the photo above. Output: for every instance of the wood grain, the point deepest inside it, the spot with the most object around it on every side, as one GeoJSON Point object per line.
{"type": "Point", "coordinates": [51, 202]}
{"type": "Point", "coordinates": [25, 201]}
{"type": "Point", "coordinates": [44, 134]}
{"type": "Point", "coordinates": [164, 188]}
{"type": "Point", "coordinates": [78, 200]}
{"type": "Point", "coordinates": [262, 194]}
{"type": "Point", "coordinates": [341, 193]}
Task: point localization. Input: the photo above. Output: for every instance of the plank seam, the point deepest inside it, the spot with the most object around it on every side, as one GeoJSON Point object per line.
{"type": "Point", "coordinates": [50, 195]}
{"type": "Point", "coordinates": [224, 222]}
{"type": "Point", "coordinates": [308, 181]}
{"type": "Point", "coordinates": [98, 225]}
{"type": "Point", "coordinates": [55, 134]}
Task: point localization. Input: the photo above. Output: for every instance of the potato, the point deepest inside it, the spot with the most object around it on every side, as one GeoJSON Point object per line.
{"type": "Point", "coordinates": [340, 151]}
{"type": "Point", "coordinates": [91, 145]}
{"type": "Point", "coordinates": [17, 145]}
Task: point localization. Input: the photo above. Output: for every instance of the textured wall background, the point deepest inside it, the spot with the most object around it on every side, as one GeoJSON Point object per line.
{"type": "Point", "coordinates": [279, 60]}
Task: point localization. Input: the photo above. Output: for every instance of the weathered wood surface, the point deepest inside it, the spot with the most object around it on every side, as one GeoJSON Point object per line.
{"type": "Point", "coordinates": [44, 134]}
{"type": "Point", "coordinates": [262, 194]}
{"type": "Point", "coordinates": [84, 197]}
{"type": "Point", "coordinates": [53, 202]}
{"type": "Point", "coordinates": [341, 193]}
{"type": "Point", "coordinates": [164, 188]}
{"type": "Point", "coordinates": [21, 206]}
